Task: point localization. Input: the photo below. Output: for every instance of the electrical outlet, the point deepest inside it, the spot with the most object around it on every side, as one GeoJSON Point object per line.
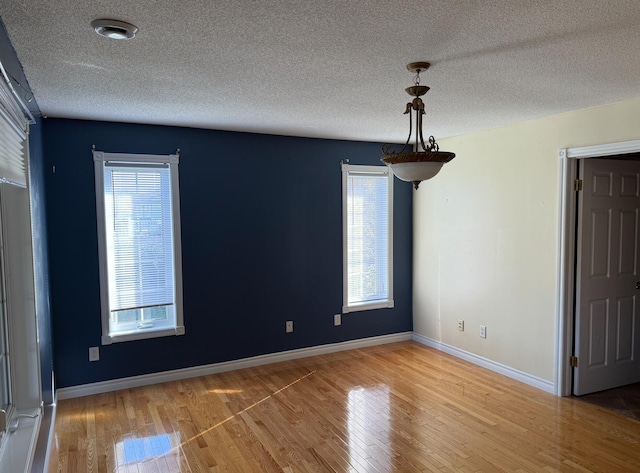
{"type": "Point", "coordinates": [94, 353]}
{"type": "Point", "coordinates": [460, 325]}
{"type": "Point", "coordinates": [288, 326]}
{"type": "Point", "coordinates": [483, 331]}
{"type": "Point", "coordinates": [337, 319]}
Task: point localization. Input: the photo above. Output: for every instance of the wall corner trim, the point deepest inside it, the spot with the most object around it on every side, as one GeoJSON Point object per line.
{"type": "Point", "coordinates": [185, 373]}
{"type": "Point", "coordinates": [504, 370]}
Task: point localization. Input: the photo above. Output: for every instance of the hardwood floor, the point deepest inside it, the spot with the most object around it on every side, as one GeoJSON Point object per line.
{"type": "Point", "coordinates": [400, 407]}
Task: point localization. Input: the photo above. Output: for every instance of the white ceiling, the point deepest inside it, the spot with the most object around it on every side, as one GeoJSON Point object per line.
{"type": "Point", "coordinates": [327, 68]}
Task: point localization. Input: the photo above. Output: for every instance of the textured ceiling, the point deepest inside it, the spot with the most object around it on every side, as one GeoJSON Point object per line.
{"type": "Point", "coordinates": [329, 68]}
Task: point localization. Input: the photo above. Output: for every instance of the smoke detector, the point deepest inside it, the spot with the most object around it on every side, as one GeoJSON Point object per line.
{"type": "Point", "coordinates": [114, 29]}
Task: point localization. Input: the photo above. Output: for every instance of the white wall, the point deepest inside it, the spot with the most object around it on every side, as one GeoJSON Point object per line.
{"type": "Point", "coordinates": [486, 231]}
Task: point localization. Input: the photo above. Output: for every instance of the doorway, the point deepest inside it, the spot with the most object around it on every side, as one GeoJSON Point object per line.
{"type": "Point", "coordinates": [567, 250]}
{"type": "Point", "coordinates": [607, 329]}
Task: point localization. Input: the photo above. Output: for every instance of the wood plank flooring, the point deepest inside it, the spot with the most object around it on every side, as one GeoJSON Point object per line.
{"type": "Point", "coordinates": [401, 407]}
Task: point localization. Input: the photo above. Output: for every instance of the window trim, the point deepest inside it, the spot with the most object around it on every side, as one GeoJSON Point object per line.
{"type": "Point", "coordinates": [348, 169]}
{"type": "Point", "coordinates": [100, 159]}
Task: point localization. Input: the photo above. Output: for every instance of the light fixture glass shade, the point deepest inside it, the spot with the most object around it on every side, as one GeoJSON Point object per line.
{"type": "Point", "coordinates": [417, 171]}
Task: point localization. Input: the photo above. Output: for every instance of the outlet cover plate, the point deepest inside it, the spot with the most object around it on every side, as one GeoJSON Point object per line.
{"type": "Point", "coordinates": [288, 326]}
{"type": "Point", "coordinates": [483, 331]}
{"type": "Point", "coordinates": [94, 353]}
{"type": "Point", "coordinates": [337, 319]}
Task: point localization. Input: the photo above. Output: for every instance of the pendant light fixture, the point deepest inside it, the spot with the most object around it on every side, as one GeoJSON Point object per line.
{"type": "Point", "coordinates": [416, 161]}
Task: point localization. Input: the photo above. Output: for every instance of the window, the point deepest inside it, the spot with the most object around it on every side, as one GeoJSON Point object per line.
{"type": "Point", "coordinates": [139, 246]}
{"type": "Point", "coordinates": [367, 225]}
{"type": "Point", "coordinates": [20, 387]}
{"type": "Point", "coordinates": [13, 133]}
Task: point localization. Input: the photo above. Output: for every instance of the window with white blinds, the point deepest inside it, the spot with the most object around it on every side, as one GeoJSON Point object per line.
{"type": "Point", "coordinates": [367, 213]}
{"type": "Point", "coordinates": [13, 135]}
{"type": "Point", "coordinates": [20, 386]}
{"type": "Point", "coordinates": [138, 223]}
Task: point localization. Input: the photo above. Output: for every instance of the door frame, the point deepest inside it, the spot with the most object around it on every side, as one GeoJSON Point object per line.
{"type": "Point", "coordinates": [565, 280]}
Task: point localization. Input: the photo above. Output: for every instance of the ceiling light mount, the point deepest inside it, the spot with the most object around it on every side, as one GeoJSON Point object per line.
{"type": "Point", "coordinates": [426, 159]}
{"type": "Point", "coordinates": [418, 67]}
{"type": "Point", "coordinates": [114, 29]}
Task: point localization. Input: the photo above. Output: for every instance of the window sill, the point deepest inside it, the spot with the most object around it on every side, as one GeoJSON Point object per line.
{"type": "Point", "coordinates": [19, 446]}
{"type": "Point", "coordinates": [367, 306]}
{"type": "Point", "coordinates": [130, 336]}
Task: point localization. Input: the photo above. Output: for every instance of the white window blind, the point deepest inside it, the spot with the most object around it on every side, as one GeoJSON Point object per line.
{"type": "Point", "coordinates": [139, 245]}
{"type": "Point", "coordinates": [13, 135]}
{"type": "Point", "coordinates": [140, 236]}
{"type": "Point", "coordinates": [367, 227]}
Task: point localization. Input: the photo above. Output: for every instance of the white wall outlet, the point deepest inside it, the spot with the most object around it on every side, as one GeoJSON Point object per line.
{"type": "Point", "coordinates": [94, 353]}
{"type": "Point", "coordinates": [483, 331]}
{"type": "Point", "coordinates": [337, 319]}
{"type": "Point", "coordinates": [288, 326]}
{"type": "Point", "coordinates": [461, 325]}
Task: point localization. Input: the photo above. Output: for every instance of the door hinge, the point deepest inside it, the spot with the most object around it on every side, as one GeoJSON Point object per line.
{"type": "Point", "coordinates": [577, 185]}
{"type": "Point", "coordinates": [573, 361]}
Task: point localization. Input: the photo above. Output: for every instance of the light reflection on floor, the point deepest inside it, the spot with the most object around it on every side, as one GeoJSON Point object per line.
{"type": "Point", "coordinates": [225, 391]}
{"type": "Point", "coordinates": [162, 453]}
{"type": "Point", "coordinates": [368, 423]}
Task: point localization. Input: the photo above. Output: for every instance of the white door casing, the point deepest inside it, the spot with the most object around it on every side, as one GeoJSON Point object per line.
{"type": "Point", "coordinates": [568, 159]}
{"type": "Point", "coordinates": [607, 312]}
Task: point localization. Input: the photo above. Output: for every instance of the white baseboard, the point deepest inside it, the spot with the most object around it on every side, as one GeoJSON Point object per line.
{"type": "Point", "coordinates": [504, 370]}
{"type": "Point", "coordinates": [174, 375]}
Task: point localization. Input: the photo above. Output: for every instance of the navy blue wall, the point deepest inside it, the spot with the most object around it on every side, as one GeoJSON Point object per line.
{"type": "Point", "coordinates": [261, 244]}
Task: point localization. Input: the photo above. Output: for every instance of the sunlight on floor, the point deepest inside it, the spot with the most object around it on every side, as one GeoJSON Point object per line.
{"type": "Point", "coordinates": [368, 422]}
{"type": "Point", "coordinates": [225, 391]}
{"type": "Point", "coordinates": [257, 403]}
{"type": "Point", "coordinates": [152, 453]}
